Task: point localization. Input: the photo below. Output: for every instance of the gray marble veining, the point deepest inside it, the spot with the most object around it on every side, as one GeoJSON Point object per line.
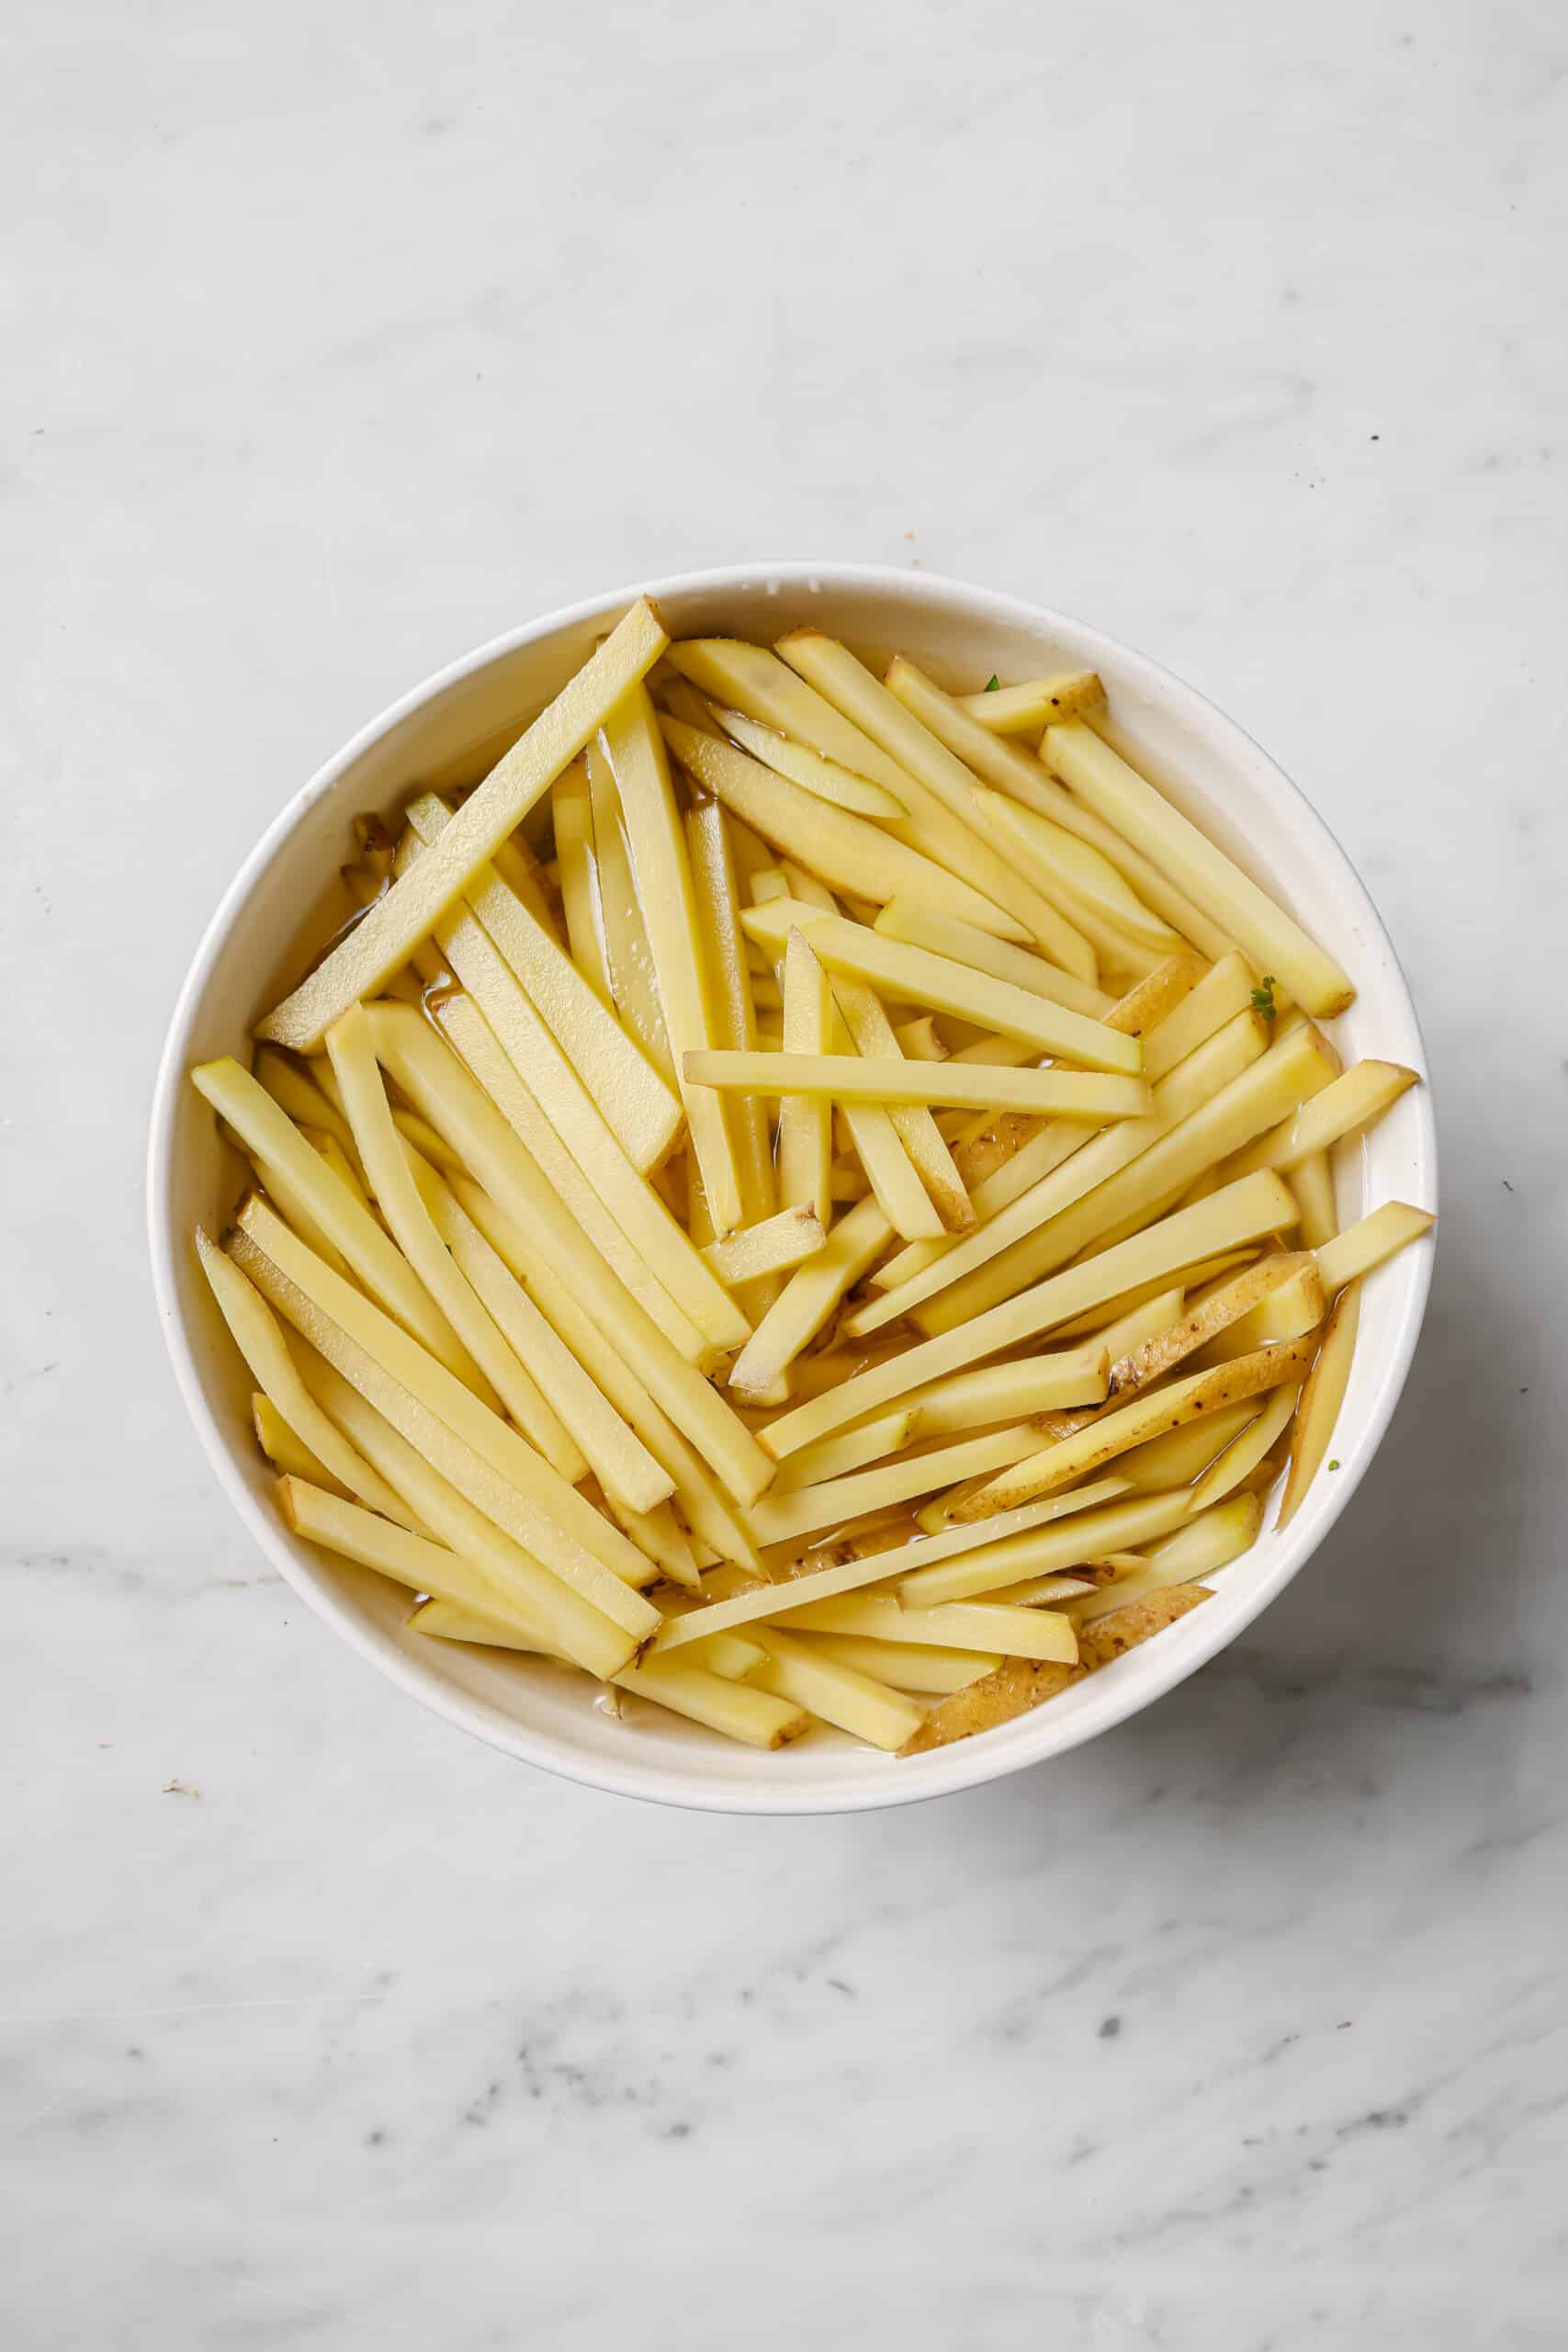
{"type": "Point", "coordinates": [342, 339]}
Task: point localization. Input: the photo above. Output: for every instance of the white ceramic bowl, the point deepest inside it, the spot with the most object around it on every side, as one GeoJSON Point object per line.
{"type": "Point", "coordinates": [961, 633]}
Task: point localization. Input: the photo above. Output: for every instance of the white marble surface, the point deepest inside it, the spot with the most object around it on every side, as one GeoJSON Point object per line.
{"type": "Point", "coordinates": [343, 338]}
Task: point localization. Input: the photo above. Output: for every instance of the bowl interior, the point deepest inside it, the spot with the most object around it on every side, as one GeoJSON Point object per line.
{"type": "Point", "coordinates": [447, 730]}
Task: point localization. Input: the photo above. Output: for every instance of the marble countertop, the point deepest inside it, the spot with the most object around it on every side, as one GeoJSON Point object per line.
{"type": "Point", "coordinates": [342, 339]}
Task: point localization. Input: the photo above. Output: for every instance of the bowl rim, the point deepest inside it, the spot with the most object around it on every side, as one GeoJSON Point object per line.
{"type": "Point", "coordinates": [944, 1771]}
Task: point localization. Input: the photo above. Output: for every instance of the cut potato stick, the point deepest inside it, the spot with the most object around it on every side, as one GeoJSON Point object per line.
{"type": "Point", "coordinates": [491, 1069]}
{"type": "Point", "coordinates": [939, 789]}
{"type": "Point", "coordinates": [573, 816]}
{"type": "Point", "coordinates": [1322, 1393]}
{"type": "Point", "coordinates": [807, 768]}
{"type": "Point", "coordinates": [527, 1498]}
{"type": "Point", "coordinates": [384, 1154]}
{"type": "Point", "coordinates": [383, 940]}
{"type": "Point", "coordinates": [1219, 1308]}
{"type": "Point", "coordinates": [1224, 991]}
{"type": "Point", "coordinates": [850, 1450]}
{"type": "Point", "coordinates": [287, 1453]}
{"type": "Point", "coordinates": [848, 852]}
{"type": "Point", "coordinates": [1257, 1205]}
{"type": "Point", "coordinates": [1358, 1095]}
{"type": "Point", "coordinates": [1035, 1230]}
{"type": "Point", "coordinates": [841, 1695]}
{"type": "Point", "coordinates": [915, 976]}
{"type": "Point", "coordinates": [1183, 1453]}
{"type": "Point", "coordinates": [774, 1247]}
{"type": "Point", "coordinates": [1111, 1331]}
{"type": "Point", "coordinates": [635, 749]}
{"type": "Point", "coordinates": [505, 1171]}
{"type": "Point", "coordinates": [1014, 1568]}
{"type": "Point", "coordinates": [406, 1457]}
{"type": "Point", "coordinates": [1147, 1416]}
{"type": "Point", "coordinates": [407, 1559]}
{"type": "Point", "coordinates": [1313, 1184]}
{"type": "Point", "coordinates": [1033, 705]}
{"type": "Point", "coordinates": [640, 1110]}
{"type": "Point", "coordinates": [530, 1255]}
{"type": "Point", "coordinates": [918, 1038]}
{"type": "Point", "coordinates": [1140, 1191]}
{"type": "Point", "coordinates": [622, 1463]}
{"type": "Point", "coordinates": [908, 1666]}
{"type": "Point", "coordinates": [1117, 792]}
{"type": "Point", "coordinates": [809, 1297]}
{"type": "Point", "coordinates": [256, 1334]}
{"type": "Point", "coordinates": [1366, 1243]}
{"type": "Point", "coordinates": [750, 678]}
{"type": "Point", "coordinates": [627, 955]}
{"type": "Point", "coordinates": [300, 1094]}
{"type": "Point", "coordinates": [765, 1601]}
{"type": "Point", "coordinates": [783, 1518]}
{"type": "Point", "coordinates": [1289, 1308]}
{"type": "Point", "coordinates": [1207, 1543]}
{"type": "Point", "coordinates": [266, 1129]}
{"type": "Point", "coordinates": [1009, 1632]}
{"type": "Point", "coordinates": [1254, 1444]}
{"type": "Point", "coordinates": [806, 1120]}
{"type": "Point", "coordinates": [1007, 1392]}
{"type": "Point", "coordinates": [675, 1266]}
{"type": "Point", "coordinates": [915, 925]}
{"type": "Point", "coordinates": [1019, 1684]}
{"type": "Point", "coordinates": [731, 994]}
{"type": "Point", "coordinates": [659, 1535]}
{"type": "Point", "coordinates": [1038, 1093]}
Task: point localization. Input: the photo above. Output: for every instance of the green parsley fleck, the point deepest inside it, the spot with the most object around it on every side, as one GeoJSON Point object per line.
{"type": "Point", "coordinates": [1263, 998]}
{"type": "Point", "coordinates": [1333, 1465]}
{"type": "Point", "coordinates": [992, 683]}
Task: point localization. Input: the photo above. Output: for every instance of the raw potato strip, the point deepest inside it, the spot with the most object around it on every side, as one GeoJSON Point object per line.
{"type": "Point", "coordinates": [840, 1695]}
{"type": "Point", "coordinates": [914, 924]}
{"type": "Point", "coordinates": [1121, 795]}
{"type": "Point", "coordinates": [1023, 1571]}
{"type": "Point", "coordinates": [479, 1053]}
{"type": "Point", "coordinates": [1313, 1184]}
{"type": "Point", "coordinates": [908, 1666]}
{"type": "Point", "coordinates": [640, 1110]}
{"type": "Point", "coordinates": [732, 998]}
{"type": "Point", "coordinates": [605, 1361]}
{"type": "Point", "coordinates": [782, 1517]}
{"type": "Point", "coordinates": [806, 1121]}
{"type": "Point", "coordinates": [256, 1334]}
{"type": "Point", "coordinates": [810, 1296]}
{"type": "Point", "coordinates": [940, 789]}
{"type": "Point", "coordinates": [445, 1094]}
{"type": "Point", "coordinates": [410, 1560]}
{"type": "Point", "coordinates": [914, 976]}
{"type": "Point", "coordinates": [1259, 1204]}
{"type": "Point", "coordinates": [537, 1508]}
{"type": "Point", "coordinates": [266, 1129]}
{"type": "Point", "coordinates": [635, 749]}
{"type": "Point", "coordinates": [1032, 706]}
{"type": "Point", "coordinates": [384, 1153]}
{"type": "Point", "coordinates": [776, 1246]}
{"type": "Point", "coordinates": [846, 851]}
{"type": "Point", "coordinates": [1148, 1186]}
{"type": "Point", "coordinates": [1009, 1632]}
{"type": "Point", "coordinates": [1322, 1393]}
{"type": "Point", "coordinates": [1220, 1308]}
{"type": "Point", "coordinates": [807, 768]}
{"type": "Point", "coordinates": [1360, 1094]}
{"type": "Point", "coordinates": [1021, 1684]}
{"type": "Point", "coordinates": [1182, 1454]}
{"type": "Point", "coordinates": [1209, 1542]}
{"type": "Point", "coordinates": [287, 1454]}
{"type": "Point", "coordinates": [622, 1463]}
{"type": "Point", "coordinates": [1023, 1234]}
{"type": "Point", "coordinates": [1293, 1307]}
{"type": "Point", "coordinates": [628, 957]}
{"type": "Point", "coordinates": [1366, 1243]}
{"type": "Point", "coordinates": [1008, 1392]}
{"type": "Point", "coordinates": [1148, 1416]}
{"type": "Point", "coordinates": [382, 942]}
{"type": "Point", "coordinates": [299, 1093]}
{"type": "Point", "coordinates": [674, 1267]}
{"type": "Point", "coordinates": [730, 1707]}
{"type": "Point", "coordinates": [847, 1078]}
{"type": "Point", "coordinates": [875, 1037]}
{"type": "Point", "coordinates": [1245, 1453]}
{"type": "Point", "coordinates": [573, 817]}
{"type": "Point", "coordinates": [850, 1450]}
